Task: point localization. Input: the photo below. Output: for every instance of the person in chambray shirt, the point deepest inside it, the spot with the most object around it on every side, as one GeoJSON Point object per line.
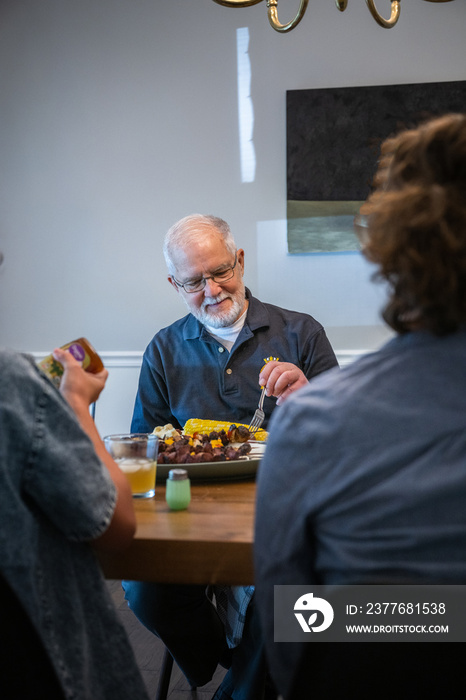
{"type": "Point", "coordinates": [61, 497]}
{"type": "Point", "coordinates": [210, 364]}
{"type": "Point", "coordinates": [375, 484]}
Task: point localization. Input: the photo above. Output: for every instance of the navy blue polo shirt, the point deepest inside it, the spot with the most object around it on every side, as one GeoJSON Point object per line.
{"type": "Point", "coordinates": [186, 373]}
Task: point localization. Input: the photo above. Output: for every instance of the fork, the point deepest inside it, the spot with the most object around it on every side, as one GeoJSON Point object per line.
{"type": "Point", "coordinates": [259, 415]}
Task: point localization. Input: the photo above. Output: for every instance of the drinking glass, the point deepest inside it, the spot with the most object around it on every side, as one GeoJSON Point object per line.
{"type": "Point", "coordinates": [136, 455]}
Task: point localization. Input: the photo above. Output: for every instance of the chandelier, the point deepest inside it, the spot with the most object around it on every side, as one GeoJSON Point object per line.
{"type": "Point", "coordinates": [341, 4]}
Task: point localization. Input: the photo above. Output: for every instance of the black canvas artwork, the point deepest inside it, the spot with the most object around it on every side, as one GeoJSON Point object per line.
{"type": "Point", "coordinates": [333, 143]}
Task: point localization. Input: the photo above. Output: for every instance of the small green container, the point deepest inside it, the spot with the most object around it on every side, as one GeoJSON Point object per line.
{"type": "Point", "coordinates": [178, 489]}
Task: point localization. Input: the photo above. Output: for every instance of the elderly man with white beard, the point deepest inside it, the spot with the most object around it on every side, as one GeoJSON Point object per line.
{"type": "Point", "coordinates": [211, 364]}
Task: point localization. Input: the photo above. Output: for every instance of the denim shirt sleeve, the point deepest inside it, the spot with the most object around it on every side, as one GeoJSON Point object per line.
{"type": "Point", "coordinates": [63, 476]}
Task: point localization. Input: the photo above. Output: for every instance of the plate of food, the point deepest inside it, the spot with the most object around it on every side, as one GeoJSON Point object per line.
{"type": "Point", "coordinates": [209, 450]}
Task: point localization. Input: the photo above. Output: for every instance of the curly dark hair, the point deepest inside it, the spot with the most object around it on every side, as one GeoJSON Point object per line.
{"type": "Point", "coordinates": [417, 226]}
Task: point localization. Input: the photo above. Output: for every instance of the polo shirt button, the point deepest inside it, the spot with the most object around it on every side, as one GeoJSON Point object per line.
{"type": "Point", "coordinates": [229, 371]}
{"type": "Point", "coordinates": [221, 348]}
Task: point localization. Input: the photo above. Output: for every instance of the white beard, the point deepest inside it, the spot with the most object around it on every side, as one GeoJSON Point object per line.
{"type": "Point", "coordinates": [220, 319]}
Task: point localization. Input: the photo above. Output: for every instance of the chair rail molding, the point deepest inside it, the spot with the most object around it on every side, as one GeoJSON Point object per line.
{"type": "Point", "coordinates": [133, 358]}
{"type": "Point", "coordinates": [347, 357]}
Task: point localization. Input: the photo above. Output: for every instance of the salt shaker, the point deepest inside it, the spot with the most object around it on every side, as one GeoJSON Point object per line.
{"type": "Point", "coordinates": [178, 489]}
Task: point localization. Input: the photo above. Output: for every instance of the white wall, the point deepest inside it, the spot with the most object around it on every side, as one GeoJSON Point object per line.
{"type": "Point", "coordinates": [120, 116]}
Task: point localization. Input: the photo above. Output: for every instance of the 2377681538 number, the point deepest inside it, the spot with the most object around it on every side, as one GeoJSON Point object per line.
{"type": "Point", "coordinates": [405, 608]}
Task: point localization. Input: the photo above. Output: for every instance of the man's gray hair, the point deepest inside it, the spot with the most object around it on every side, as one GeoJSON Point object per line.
{"type": "Point", "coordinates": [192, 228]}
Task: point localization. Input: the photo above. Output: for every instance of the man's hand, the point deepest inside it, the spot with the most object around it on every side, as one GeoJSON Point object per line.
{"type": "Point", "coordinates": [281, 379]}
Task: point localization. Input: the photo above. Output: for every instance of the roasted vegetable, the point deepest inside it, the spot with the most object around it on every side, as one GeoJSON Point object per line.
{"type": "Point", "coordinates": [201, 425]}
{"type": "Point", "coordinates": [214, 447]}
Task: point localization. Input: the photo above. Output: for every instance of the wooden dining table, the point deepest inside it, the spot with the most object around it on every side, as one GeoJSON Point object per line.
{"type": "Point", "coordinates": [209, 542]}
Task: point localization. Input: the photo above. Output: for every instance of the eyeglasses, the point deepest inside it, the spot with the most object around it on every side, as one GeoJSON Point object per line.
{"type": "Point", "coordinates": [220, 277]}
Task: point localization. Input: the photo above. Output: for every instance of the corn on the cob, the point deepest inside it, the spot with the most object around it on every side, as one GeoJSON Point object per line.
{"type": "Point", "coordinates": [201, 425]}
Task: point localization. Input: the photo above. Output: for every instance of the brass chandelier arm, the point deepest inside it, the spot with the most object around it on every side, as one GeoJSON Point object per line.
{"type": "Point", "coordinates": [273, 16]}
{"type": "Point", "coordinates": [341, 5]}
{"type": "Point", "coordinates": [386, 23]}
